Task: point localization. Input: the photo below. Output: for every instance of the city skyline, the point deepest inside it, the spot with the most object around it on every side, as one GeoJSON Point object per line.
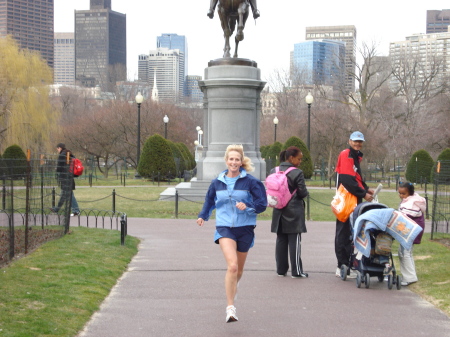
{"type": "Point", "coordinates": [268, 42]}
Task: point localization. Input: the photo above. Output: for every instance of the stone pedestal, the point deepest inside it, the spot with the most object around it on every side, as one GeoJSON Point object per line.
{"type": "Point", "coordinates": [232, 113]}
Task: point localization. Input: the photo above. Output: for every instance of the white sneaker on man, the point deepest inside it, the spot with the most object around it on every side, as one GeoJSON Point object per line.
{"type": "Point", "coordinates": [338, 272]}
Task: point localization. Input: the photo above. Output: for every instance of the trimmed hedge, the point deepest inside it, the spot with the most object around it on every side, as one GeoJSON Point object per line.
{"type": "Point", "coordinates": [157, 157]}
{"type": "Point", "coordinates": [444, 174]}
{"type": "Point", "coordinates": [14, 162]}
{"type": "Point", "coordinates": [419, 167]}
{"type": "Point", "coordinates": [188, 156]}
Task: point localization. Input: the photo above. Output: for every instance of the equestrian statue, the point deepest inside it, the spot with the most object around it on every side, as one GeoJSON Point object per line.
{"type": "Point", "coordinates": [230, 13]}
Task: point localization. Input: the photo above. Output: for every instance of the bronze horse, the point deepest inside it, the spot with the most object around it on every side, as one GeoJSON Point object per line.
{"type": "Point", "coordinates": [232, 12]}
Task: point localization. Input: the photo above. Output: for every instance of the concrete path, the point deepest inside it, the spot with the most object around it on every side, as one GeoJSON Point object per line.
{"type": "Point", "coordinates": [174, 287]}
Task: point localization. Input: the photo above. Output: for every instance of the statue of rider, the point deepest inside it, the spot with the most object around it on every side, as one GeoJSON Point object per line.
{"type": "Point", "coordinates": [253, 4]}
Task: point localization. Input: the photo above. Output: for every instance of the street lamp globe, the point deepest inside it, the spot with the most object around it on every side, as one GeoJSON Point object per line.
{"type": "Point", "coordinates": [166, 119]}
{"type": "Point", "coordinates": [309, 98]}
{"type": "Point", "coordinates": [139, 98]}
{"type": "Point", "coordinates": [275, 120]}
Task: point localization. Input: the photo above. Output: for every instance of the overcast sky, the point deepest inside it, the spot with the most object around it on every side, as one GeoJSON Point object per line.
{"type": "Point", "coordinates": [269, 40]}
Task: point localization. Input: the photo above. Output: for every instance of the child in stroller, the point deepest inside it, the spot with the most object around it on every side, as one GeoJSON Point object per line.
{"type": "Point", "coordinates": [372, 224]}
{"type": "Point", "coordinates": [380, 262]}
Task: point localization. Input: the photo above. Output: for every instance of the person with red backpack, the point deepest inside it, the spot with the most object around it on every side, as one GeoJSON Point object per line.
{"type": "Point", "coordinates": [289, 222]}
{"type": "Point", "coordinates": [65, 180]}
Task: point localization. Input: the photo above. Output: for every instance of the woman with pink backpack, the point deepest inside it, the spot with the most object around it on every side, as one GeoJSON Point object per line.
{"type": "Point", "coordinates": [289, 221]}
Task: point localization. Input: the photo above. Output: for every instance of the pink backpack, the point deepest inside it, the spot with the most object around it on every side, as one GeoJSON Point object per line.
{"type": "Point", "coordinates": [277, 188]}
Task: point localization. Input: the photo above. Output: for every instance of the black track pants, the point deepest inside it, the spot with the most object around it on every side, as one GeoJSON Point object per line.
{"type": "Point", "coordinates": [288, 246]}
{"type": "Point", "coordinates": [343, 243]}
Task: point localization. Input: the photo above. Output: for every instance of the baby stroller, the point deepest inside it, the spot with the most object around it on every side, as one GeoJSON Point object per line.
{"type": "Point", "coordinates": [375, 265]}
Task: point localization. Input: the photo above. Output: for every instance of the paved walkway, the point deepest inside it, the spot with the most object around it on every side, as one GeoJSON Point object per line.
{"type": "Point", "coordinates": [174, 287]}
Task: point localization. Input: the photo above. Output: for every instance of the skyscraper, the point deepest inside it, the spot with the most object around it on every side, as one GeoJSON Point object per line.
{"type": "Point", "coordinates": [64, 64]}
{"type": "Point", "coordinates": [191, 89]}
{"type": "Point", "coordinates": [438, 21]}
{"type": "Point", "coordinates": [340, 33]}
{"type": "Point", "coordinates": [319, 62]}
{"type": "Point", "coordinates": [165, 65]}
{"type": "Point", "coordinates": [175, 41]}
{"type": "Point", "coordinates": [30, 22]}
{"type": "Point", "coordinates": [100, 46]}
{"type": "Point", "coordinates": [427, 53]}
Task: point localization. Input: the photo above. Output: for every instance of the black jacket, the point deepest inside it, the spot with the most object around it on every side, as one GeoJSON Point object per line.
{"type": "Point", "coordinates": [65, 178]}
{"type": "Point", "coordinates": [292, 217]}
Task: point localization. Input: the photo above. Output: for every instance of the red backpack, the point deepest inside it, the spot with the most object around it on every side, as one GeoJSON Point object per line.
{"type": "Point", "coordinates": [277, 188]}
{"type": "Point", "coordinates": [76, 167]}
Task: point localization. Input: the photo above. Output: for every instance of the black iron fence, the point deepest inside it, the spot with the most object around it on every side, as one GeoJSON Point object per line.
{"type": "Point", "coordinates": [441, 198]}
{"type": "Point", "coordinates": [36, 207]}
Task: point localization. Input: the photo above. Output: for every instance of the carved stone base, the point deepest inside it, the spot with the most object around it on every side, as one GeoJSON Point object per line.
{"type": "Point", "coordinates": [230, 61]}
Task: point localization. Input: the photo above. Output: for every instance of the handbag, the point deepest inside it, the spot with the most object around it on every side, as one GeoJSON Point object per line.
{"type": "Point", "coordinates": [343, 203]}
{"type": "Point", "coordinates": [383, 244]}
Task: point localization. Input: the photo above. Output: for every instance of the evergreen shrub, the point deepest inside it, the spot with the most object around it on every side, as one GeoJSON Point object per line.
{"type": "Point", "coordinates": [15, 162]}
{"type": "Point", "coordinates": [157, 157]}
{"type": "Point", "coordinates": [417, 170]}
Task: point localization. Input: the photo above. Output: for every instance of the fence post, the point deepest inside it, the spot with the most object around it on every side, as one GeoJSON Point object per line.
{"type": "Point", "coordinates": [42, 192]}
{"type": "Point", "coordinates": [11, 223]}
{"type": "Point", "coordinates": [123, 229]}
{"type": "Point", "coordinates": [27, 198]}
{"type": "Point", "coordinates": [176, 204]}
{"type": "Point", "coordinates": [53, 197]}
{"type": "Point", "coordinates": [427, 215]}
{"type": "Point", "coordinates": [4, 194]}
{"type": "Point", "coordinates": [435, 196]}
{"type": "Point", "coordinates": [308, 216]}
{"type": "Point", "coordinates": [114, 201]}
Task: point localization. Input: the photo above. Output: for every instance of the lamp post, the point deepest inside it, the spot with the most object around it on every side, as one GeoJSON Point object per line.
{"type": "Point", "coordinates": [139, 99]}
{"type": "Point", "coordinates": [200, 134]}
{"type": "Point", "coordinates": [309, 100]}
{"type": "Point", "coordinates": [275, 123]}
{"type": "Point", "coordinates": [166, 121]}
{"type": "Point", "coordinates": [196, 150]}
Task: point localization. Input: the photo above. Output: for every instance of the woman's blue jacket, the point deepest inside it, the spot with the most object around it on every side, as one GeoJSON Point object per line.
{"type": "Point", "coordinates": [247, 189]}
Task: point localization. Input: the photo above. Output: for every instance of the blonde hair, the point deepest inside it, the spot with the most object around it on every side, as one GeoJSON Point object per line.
{"type": "Point", "coordinates": [246, 161]}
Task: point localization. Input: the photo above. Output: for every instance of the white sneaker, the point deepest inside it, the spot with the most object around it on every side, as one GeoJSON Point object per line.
{"type": "Point", "coordinates": [231, 314]}
{"type": "Point", "coordinates": [338, 272]}
{"type": "Point", "coordinates": [352, 274]}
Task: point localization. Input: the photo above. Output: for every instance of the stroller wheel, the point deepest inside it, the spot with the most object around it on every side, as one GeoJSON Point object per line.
{"type": "Point", "coordinates": [344, 270]}
{"type": "Point", "coordinates": [367, 280]}
{"type": "Point", "coordinates": [399, 282]}
{"type": "Point", "coordinates": [390, 282]}
{"type": "Point", "coordinates": [358, 279]}
{"type": "Point", "coordinates": [380, 278]}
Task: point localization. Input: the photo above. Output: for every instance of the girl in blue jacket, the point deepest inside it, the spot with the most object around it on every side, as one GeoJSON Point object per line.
{"type": "Point", "coordinates": [237, 197]}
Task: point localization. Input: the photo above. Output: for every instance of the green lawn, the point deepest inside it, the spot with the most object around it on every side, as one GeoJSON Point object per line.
{"type": "Point", "coordinates": [433, 270]}
{"type": "Point", "coordinates": [55, 290]}
{"type": "Point", "coordinates": [144, 202]}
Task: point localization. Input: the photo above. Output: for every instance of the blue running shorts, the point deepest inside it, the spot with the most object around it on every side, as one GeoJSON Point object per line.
{"type": "Point", "coordinates": [244, 236]}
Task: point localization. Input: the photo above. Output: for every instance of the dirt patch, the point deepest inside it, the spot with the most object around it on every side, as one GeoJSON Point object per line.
{"type": "Point", "coordinates": [445, 242]}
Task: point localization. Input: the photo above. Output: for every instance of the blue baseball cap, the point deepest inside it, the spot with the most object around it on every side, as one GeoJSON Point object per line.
{"type": "Point", "coordinates": [357, 135]}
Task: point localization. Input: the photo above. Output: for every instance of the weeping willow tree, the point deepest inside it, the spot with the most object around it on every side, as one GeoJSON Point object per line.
{"type": "Point", "coordinates": [26, 116]}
